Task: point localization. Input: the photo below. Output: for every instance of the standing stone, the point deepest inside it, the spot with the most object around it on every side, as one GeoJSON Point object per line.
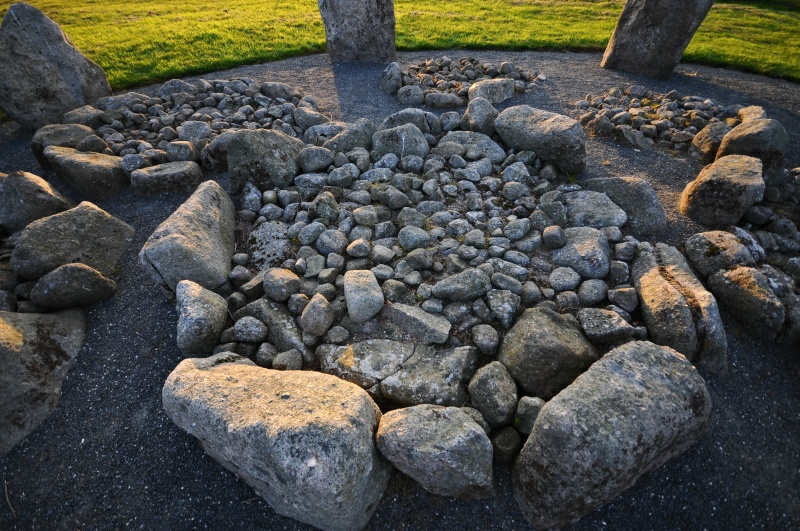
{"type": "Point", "coordinates": [651, 35]}
{"type": "Point", "coordinates": [44, 75]}
{"type": "Point", "coordinates": [303, 440]}
{"type": "Point", "coordinates": [632, 411]}
{"type": "Point", "coordinates": [36, 352]}
{"type": "Point", "coordinates": [195, 243]}
{"type": "Point", "coordinates": [359, 31]}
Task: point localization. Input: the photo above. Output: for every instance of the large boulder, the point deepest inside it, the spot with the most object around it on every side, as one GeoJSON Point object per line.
{"type": "Point", "coordinates": [723, 191]}
{"type": "Point", "coordinates": [402, 140]}
{"type": "Point", "coordinates": [303, 440]}
{"type": "Point", "coordinates": [195, 243]}
{"type": "Point", "coordinates": [362, 294]}
{"type": "Point", "coordinates": [545, 351]}
{"type": "Point", "coordinates": [72, 285]}
{"type": "Point", "coordinates": [651, 35]}
{"type": "Point", "coordinates": [267, 158]}
{"type": "Point", "coordinates": [166, 177]}
{"type": "Point", "coordinates": [421, 326]}
{"type": "Point", "coordinates": [25, 197]}
{"type": "Point", "coordinates": [678, 311]}
{"type": "Point", "coordinates": [483, 145]}
{"type": "Point", "coordinates": [44, 75]}
{"type": "Point", "coordinates": [36, 352]}
{"type": "Point", "coordinates": [359, 31]}
{"type": "Point", "coordinates": [632, 411]}
{"type": "Point", "coordinates": [637, 198]}
{"type": "Point", "coordinates": [202, 315]}
{"type": "Point", "coordinates": [62, 135]}
{"type": "Point", "coordinates": [553, 137]}
{"type": "Point", "coordinates": [705, 144]}
{"type": "Point", "coordinates": [762, 138]}
{"type": "Point", "coordinates": [586, 251]}
{"type": "Point", "coordinates": [746, 293]}
{"type": "Point", "coordinates": [365, 363]}
{"type": "Point", "coordinates": [712, 251]}
{"type": "Point", "coordinates": [494, 90]}
{"type": "Point", "coordinates": [351, 136]}
{"type": "Point", "coordinates": [94, 174]}
{"type": "Point", "coordinates": [586, 208]}
{"type": "Point", "coordinates": [441, 448]}
{"type": "Point", "coordinates": [84, 234]}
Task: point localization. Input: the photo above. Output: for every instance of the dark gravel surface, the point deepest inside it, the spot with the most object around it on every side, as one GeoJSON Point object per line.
{"type": "Point", "coordinates": [108, 458]}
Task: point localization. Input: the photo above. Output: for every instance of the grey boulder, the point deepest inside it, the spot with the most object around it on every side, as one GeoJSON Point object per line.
{"type": "Point", "coordinates": [61, 135]}
{"type": "Point", "coordinates": [746, 293]}
{"type": "Point", "coordinates": [25, 197]}
{"type": "Point", "coordinates": [402, 140]}
{"type": "Point", "coordinates": [362, 294]}
{"type": "Point", "coordinates": [304, 441]}
{"type": "Point", "coordinates": [494, 90]}
{"type": "Point", "coordinates": [36, 351]}
{"type": "Point", "coordinates": [705, 143]}
{"type": "Point", "coordinates": [632, 411]}
{"type": "Point", "coordinates": [201, 318]}
{"type": "Point", "coordinates": [553, 137]}
{"type": "Point", "coordinates": [194, 243]}
{"type": "Point", "coordinates": [480, 116]}
{"type": "Point", "coordinates": [762, 138]}
{"type": "Point", "coordinates": [586, 208]}
{"type": "Point", "coordinates": [586, 251]}
{"type": "Point", "coordinates": [545, 351]}
{"type": "Point", "coordinates": [637, 198]}
{"type": "Point", "coordinates": [441, 448]}
{"type": "Point", "coordinates": [84, 234]}
{"type": "Point", "coordinates": [72, 285]}
{"type": "Point", "coordinates": [493, 392]}
{"type": "Point", "coordinates": [365, 363]}
{"type": "Point", "coordinates": [723, 191]}
{"type": "Point", "coordinates": [44, 75]}
{"type": "Point", "coordinates": [359, 31]}
{"type": "Point", "coordinates": [421, 326]}
{"type": "Point", "coordinates": [267, 158]}
{"type": "Point", "coordinates": [712, 251]}
{"type": "Point", "coordinates": [166, 177]}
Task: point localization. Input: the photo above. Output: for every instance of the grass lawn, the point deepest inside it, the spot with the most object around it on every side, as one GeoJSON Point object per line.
{"type": "Point", "coordinates": [149, 41]}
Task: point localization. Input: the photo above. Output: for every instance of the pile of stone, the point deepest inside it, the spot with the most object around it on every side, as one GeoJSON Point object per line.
{"type": "Point", "coordinates": [449, 276]}
{"type": "Point", "coordinates": [645, 119]}
{"type": "Point", "coordinates": [442, 82]}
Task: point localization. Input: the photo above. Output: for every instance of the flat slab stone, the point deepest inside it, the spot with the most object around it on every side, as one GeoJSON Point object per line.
{"type": "Point", "coordinates": [166, 177]}
{"type": "Point", "coordinates": [586, 208]}
{"type": "Point", "coordinates": [423, 327]}
{"type": "Point", "coordinates": [94, 174]}
{"type": "Point", "coordinates": [365, 363]}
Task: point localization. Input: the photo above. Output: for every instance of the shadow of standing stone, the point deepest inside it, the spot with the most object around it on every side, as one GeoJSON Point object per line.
{"type": "Point", "coordinates": [651, 35]}
{"type": "Point", "coordinates": [359, 31]}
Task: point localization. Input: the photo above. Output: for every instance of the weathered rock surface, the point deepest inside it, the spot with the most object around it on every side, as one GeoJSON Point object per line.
{"type": "Point", "coordinates": [84, 234]}
{"type": "Point", "coordinates": [762, 138]}
{"type": "Point", "coordinates": [717, 249]}
{"type": "Point", "coordinates": [94, 174]}
{"type": "Point", "coordinates": [365, 363]}
{"type": "Point", "coordinates": [586, 208]}
{"type": "Point", "coordinates": [632, 411]}
{"type": "Point", "coordinates": [553, 137]}
{"type": "Point", "coordinates": [464, 286]}
{"type": "Point", "coordinates": [359, 31]}
{"type": "Point", "coordinates": [44, 75]}
{"type": "Point", "coordinates": [25, 197]}
{"type": "Point", "coordinates": [423, 327]}
{"type": "Point", "coordinates": [363, 295]}
{"type": "Point", "coordinates": [586, 251]}
{"type": "Point", "coordinates": [545, 351]}
{"type": "Point", "coordinates": [36, 351]}
{"type": "Point", "coordinates": [195, 243]}
{"type": "Point", "coordinates": [493, 90]}
{"type": "Point", "coordinates": [284, 334]}
{"type": "Point", "coordinates": [267, 158]}
{"type": "Point", "coordinates": [269, 243]}
{"type": "Point", "coordinates": [723, 191]}
{"type": "Point", "coordinates": [402, 140]}
{"type": "Point", "coordinates": [650, 36]}
{"type": "Point", "coordinates": [441, 448]}
{"type": "Point", "coordinates": [201, 318]}
{"type": "Point", "coordinates": [637, 198]}
{"type": "Point", "coordinates": [705, 144]}
{"type": "Point", "coordinates": [432, 377]}
{"type": "Point", "coordinates": [678, 311]}
{"type": "Point", "coordinates": [493, 392]}
{"type": "Point", "coordinates": [746, 293]}
{"type": "Point", "coordinates": [72, 285]}
{"type": "Point", "coordinates": [303, 440]}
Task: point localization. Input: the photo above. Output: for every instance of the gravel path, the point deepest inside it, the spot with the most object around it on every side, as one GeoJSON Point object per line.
{"type": "Point", "coordinates": [110, 458]}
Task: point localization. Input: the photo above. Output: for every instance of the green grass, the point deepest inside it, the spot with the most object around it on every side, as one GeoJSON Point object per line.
{"type": "Point", "coordinates": [150, 41]}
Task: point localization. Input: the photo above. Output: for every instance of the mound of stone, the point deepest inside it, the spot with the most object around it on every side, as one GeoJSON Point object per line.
{"type": "Point", "coordinates": [54, 77]}
{"type": "Point", "coordinates": [303, 440]}
{"type": "Point", "coordinates": [633, 410]}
